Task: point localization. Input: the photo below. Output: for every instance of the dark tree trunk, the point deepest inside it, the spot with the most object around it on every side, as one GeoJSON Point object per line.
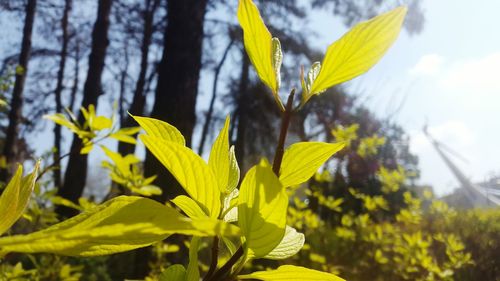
{"type": "Point", "coordinates": [76, 70]}
{"type": "Point", "coordinates": [210, 111]}
{"type": "Point", "coordinates": [242, 103]}
{"type": "Point", "coordinates": [139, 98]}
{"type": "Point", "coordinates": [10, 149]}
{"type": "Point", "coordinates": [58, 92]}
{"type": "Point", "coordinates": [76, 171]}
{"type": "Point", "coordinates": [179, 71]}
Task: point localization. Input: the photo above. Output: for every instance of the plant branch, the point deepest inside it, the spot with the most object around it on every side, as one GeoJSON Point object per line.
{"type": "Point", "coordinates": [226, 268]}
{"type": "Point", "coordinates": [215, 257]}
{"type": "Point", "coordinates": [285, 122]}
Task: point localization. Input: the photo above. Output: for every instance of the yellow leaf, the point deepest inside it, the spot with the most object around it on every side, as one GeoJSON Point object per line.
{"type": "Point", "coordinates": [157, 128]}
{"type": "Point", "coordinates": [123, 138]}
{"type": "Point", "coordinates": [189, 206]}
{"type": "Point", "coordinates": [60, 119]}
{"type": "Point", "coordinates": [101, 123]}
{"type": "Point", "coordinates": [291, 244]}
{"type": "Point", "coordinates": [192, 173]}
{"type": "Point", "coordinates": [301, 160]}
{"type": "Point", "coordinates": [15, 197]}
{"type": "Point", "coordinates": [175, 272]}
{"type": "Point", "coordinates": [223, 163]}
{"type": "Point", "coordinates": [262, 206]}
{"type": "Point", "coordinates": [87, 148]}
{"type": "Point", "coordinates": [261, 49]}
{"type": "Point", "coordinates": [358, 50]}
{"type": "Point", "coordinates": [121, 224]}
{"type": "Point", "coordinates": [234, 170]}
{"type": "Point", "coordinates": [291, 273]}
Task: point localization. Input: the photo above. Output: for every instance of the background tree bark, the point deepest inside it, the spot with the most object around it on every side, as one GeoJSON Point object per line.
{"type": "Point", "coordinates": [177, 88]}
{"type": "Point", "coordinates": [58, 92]}
{"type": "Point", "coordinates": [16, 105]}
{"type": "Point", "coordinates": [76, 171]}
{"type": "Point", "coordinates": [139, 98]}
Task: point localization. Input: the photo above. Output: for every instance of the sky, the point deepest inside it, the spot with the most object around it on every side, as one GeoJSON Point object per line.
{"type": "Point", "coordinates": [447, 77]}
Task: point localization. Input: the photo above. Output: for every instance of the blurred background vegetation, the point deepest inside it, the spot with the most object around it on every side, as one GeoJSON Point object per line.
{"type": "Point", "coordinates": [366, 215]}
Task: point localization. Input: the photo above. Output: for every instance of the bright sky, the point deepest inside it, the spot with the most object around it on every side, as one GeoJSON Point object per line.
{"type": "Point", "coordinates": [450, 75]}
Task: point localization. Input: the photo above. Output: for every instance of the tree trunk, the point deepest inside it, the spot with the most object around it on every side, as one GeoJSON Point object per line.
{"type": "Point", "coordinates": [242, 104]}
{"type": "Point", "coordinates": [177, 88]}
{"type": "Point", "coordinates": [139, 99]}
{"type": "Point", "coordinates": [76, 171]}
{"type": "Point", "coordinates": [76, 70]}
{"type": "Point", "coordinates": [10, 149]}
{"type": "Point", "coordinates": [58, 93]}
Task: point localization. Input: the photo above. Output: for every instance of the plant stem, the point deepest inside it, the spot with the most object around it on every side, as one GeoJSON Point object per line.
{"type": "Point", "coordinates": [285, 122]}
{"type": "Point", "coordinates": [226, 268]}
{"type": "Point", "coordinates": [215, 257]}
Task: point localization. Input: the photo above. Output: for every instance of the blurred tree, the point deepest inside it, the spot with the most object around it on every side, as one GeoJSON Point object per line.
{"type": "Point", "coordinates": [76, 170]}
{"type": "Point", "coordinates": [59, 89]}
{"type": "Point", "coordinates": [178, 75]}
{"type": "Point", "coordinates": [10, 148]}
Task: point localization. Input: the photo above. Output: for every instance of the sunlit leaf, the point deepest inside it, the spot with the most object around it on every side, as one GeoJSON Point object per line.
{"type": "Point", "coordinates": [234, 171]}
{"type": "Point", "coordinates": [259, 45]}
{"type": "Point", "coordinates": [175, 272]}
{"type": "Point", "coordinates": [157, 128]}
{"type": "Point", "coordinates": [291, 273]}
{"type": "Point", "coordinates": [123, 138]}
{"type": "Point", "coordinates": [358, 50]}
{"type": "Point", "coordinates": [101, 123]}
{"type": "Point", "coordinates": [219, 160]}
{"type": "Point", "coordinates": [15, 197]}
{"type": "Point", "coordinates": [291, 244]}
{"type": "Point", "coordinates": [189, 206]}
{"type": "Point", "coordinates": [262, 206]}
{"type": "Point", "coordinates": [301, 160]}
{"type": "Point", "coordinates": [121, 224]}
{"type": "Point", "coordinates": [190, 170]}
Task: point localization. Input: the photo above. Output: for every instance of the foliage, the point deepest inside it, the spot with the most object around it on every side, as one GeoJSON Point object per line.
{"type": "Point", "coordinates": [250, 219]}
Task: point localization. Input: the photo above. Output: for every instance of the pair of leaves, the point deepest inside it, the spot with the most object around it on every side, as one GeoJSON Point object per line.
{"type": "Point", "coordinates": [263, 50]}
{"type": "Point", "coordinates": [203, 182]}
{"type": "Point", "coordinates": [121, 224]}
{"type": "Point", "coordinates": [352, 55]}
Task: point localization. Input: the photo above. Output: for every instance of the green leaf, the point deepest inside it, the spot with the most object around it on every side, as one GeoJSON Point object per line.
{"type": "Point", "coordinates": [259, 45]}
{"type": "Point", "coordinates": [189, 206]}
{"type": "Point", "coordinates": [163, 130]}
{"type": "Point", "coordinates": [15, 197]}
{"type": "Point", "coordinates": [301, 160]}
{"type": "Point", "coordinates": [121, 224]}
{"type": "Point", "coordinates": [262, 207]}
{"type": "Point", "coordinates": [234, 171]}
{"type": "Point", "coordinates": [60, 119]}
{"type": "Point", "coordinates": [358, 50]}
{"type": "Point", "coordinates": [309, 80]}
{"type": "Point", "coordinates": [147, 190]}
{"type": "Point", "coordinates": [175, 272]}
{"type": "Point", "coordinates": [123, 138]}
{"type": "Point", "coordinates": [219, 160]}
{"type": "Point", "coordinates": [291, 273]}
{"type": "Point", "coordinates": [190, 170]}
{"type": "Point", "coordinates": [87, 148]}
{"type": "Point", "coordinates": [100, 123]}
{"type": "Point", "coordinates": [291, 244]}
{"type": "Point", "coordinates": [193, 272]}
